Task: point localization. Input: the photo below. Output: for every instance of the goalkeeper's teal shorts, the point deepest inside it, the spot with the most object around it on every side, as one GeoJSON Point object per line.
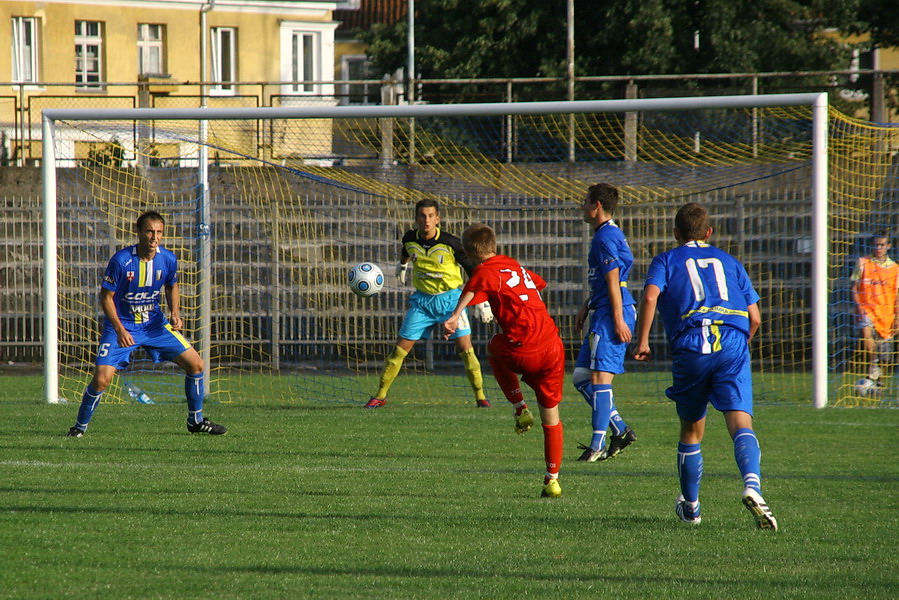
{"type": "Point", "coordinates": [427, 310]}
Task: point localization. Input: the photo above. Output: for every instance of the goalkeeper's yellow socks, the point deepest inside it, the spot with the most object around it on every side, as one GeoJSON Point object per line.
{"type": "Point", "coordinates": [473, 372]}
{"type": "Point", "coordinates": [392, 365]}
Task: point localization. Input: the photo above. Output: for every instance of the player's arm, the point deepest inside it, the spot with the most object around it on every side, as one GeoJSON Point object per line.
{"type": "Point", "coordinates": [449, 326]}
{"type": "Point", "coordinates": [856, 286]}
{"type": "Point", "coordinates": [896, 307]}
{"type": "Point", "coordinates": [645, 316]}
{"type": "Point", "coordinates": [617, 305]}
{"type": "Point", "coordinates": [107, 304]}
{"type": "Point", "coordinates": [755, 320]}
{"type": "Point", "coordinates": [537, 280]}
{"type": "Point", "coordinates": [173, 299]}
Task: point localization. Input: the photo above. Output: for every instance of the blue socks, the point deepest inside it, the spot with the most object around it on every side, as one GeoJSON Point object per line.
{"type": "Point", "coordinates": [746, 452]}
{"type": "Point", "coordinates": [601, 406]}
{"type": "Point", "coordinates": [689, 470]}
{"type": "Point", "coordinates": [749, 457]}
{"type": "Point", "coordinates": [615, 421]}
{"type": "Point", "coordinates": [588, 390]}
{"type": "Point", "coordinates": [89, 402]}
{"type": "Point", "coordinates": [193, 390]}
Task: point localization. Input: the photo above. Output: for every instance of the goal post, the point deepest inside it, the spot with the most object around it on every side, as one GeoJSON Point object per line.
{"type": "Point", "coordinates": [469, 175]}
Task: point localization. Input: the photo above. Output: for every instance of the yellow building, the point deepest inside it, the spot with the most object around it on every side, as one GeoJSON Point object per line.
{"type": "Point", "coordinates": [89, 42]}
{"type": "Point", "coordinates": [94, 53]}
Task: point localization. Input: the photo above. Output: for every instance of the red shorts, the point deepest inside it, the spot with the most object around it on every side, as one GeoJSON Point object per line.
{"type": "Point", "coordinates": [541, 367]}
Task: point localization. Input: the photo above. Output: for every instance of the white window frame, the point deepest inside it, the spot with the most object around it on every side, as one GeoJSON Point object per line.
{"type": "Point", "coordinates": [150, 49]}
{"type": "Point", "coordinates": [83, 43]}
{"type": "Point", "coordinates": [25, 55]}
{"type": "Point", "coordinates": [226, 85]}
{"type": "Point", "coordinates": [321, 64]}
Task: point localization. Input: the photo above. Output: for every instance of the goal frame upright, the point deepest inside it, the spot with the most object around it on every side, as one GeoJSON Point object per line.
{"type": "Point", "coordinates": [819, 184]}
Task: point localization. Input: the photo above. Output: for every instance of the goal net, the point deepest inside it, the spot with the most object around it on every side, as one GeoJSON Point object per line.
{"type": "Point", "coordinates": [268, 209]}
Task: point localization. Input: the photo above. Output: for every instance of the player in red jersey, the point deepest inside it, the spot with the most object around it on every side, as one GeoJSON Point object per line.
{"type": "Point", "coordinates": [529, 344]}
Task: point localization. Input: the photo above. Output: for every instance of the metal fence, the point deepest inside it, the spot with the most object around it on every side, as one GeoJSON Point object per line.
{"type": "Point", "coordinates": [862, 94]}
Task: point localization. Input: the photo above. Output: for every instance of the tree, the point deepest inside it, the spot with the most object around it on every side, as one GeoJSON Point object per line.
{"type": "Point", "coordinates": [526, 38]}
{"type": "Point", "coordinates": [464, 39]}
{"type": "Point", "coordinates": [877, 18]}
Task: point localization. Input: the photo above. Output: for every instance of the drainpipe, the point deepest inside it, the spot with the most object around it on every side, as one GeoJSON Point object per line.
{"type": "Point", "coordinates": [204, 50]}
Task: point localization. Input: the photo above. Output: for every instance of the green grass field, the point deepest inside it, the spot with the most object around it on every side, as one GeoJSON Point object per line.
{"type": "Point", "coordinates": [432, 500]}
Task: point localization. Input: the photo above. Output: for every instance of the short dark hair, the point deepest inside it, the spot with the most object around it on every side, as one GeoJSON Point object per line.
{"type": "Point", "coordinates": [427, 203]}
{"type": "Point", "coordinates": [881, 234]}
{"type": "Point", "coordinates": [692, 221]}
{"type": "Point", "coordinates": [605, 194]}
{"type": "Point", "coordinates": [479, 240]}
{"type": "Point", "coordinates": [150, 215]}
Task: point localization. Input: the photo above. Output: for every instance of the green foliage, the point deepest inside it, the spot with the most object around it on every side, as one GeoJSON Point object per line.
{"type": "Point", "coordinates": [880, 18]}
{"type": "Point", "coordinates": [524, 38]}
{"type": "Point", "coordinates": [431, 500]}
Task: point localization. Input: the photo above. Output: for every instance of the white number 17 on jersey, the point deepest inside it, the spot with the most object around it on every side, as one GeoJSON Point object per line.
{"type": "Point", "coordinates": [693, 266]}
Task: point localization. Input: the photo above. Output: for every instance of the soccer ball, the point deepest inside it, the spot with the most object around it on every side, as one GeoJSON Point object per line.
{"type": "Point", "coordinates": [365, 279]}
{"type": "Point", "coordinates": [865, 387]}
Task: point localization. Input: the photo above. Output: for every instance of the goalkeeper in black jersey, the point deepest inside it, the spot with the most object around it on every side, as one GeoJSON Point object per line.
{"type": "Point", "coordinates": [436, 257]}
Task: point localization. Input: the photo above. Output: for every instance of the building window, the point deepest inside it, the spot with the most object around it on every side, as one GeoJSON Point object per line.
{"type": "Point", "coordinates": [354, 67]}
{"type": "Point", "coordinates": [88, 54]}
{"type": "Point", "coordinates": [150, 49]}
{"type": "Point", "coordinates": [307, 55]}
{"type": "Point", "coordinates": [303, 61]}
{"type": "Point", "coordinates": [25, 49]}
{"type": "Point", "coordinates": [224, 59]}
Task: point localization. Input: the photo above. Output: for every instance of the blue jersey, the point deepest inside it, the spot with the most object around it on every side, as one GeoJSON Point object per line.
{"type": "Point", "coordinates": [138, 284]}
{"type": "Point", "coordinates": [701, 286]}
{"type": "Point", "coordinates": [608, 250]}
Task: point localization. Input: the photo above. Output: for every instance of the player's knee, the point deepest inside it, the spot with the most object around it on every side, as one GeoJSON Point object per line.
{"type": "Point", "coordinates": [99, 384]}
{"type": "Point", "coordinates": [193, 367]}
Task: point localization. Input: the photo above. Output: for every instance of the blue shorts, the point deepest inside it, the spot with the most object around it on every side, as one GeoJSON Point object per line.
{"type": "Point", "coordinates": [161, 343]}
{"type": "Point", "coordinates": [723, 378]}
{"type": "Point", "coordinates": [601, 349]}
{"type": "Point", "coordinates": [427, 310]}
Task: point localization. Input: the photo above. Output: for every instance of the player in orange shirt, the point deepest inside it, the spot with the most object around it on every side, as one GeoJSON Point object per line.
{"type": "Point", "coordinates": [529, 344]}
{"type": "Point", "coordinates": [875, 291]}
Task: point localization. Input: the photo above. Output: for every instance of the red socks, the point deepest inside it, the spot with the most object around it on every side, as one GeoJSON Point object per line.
{"type": "Point", "coordinates": [553, 436]}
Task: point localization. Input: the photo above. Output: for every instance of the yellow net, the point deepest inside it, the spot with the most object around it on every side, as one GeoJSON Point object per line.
{"type": "Point", "coordinates": [294, 204]}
